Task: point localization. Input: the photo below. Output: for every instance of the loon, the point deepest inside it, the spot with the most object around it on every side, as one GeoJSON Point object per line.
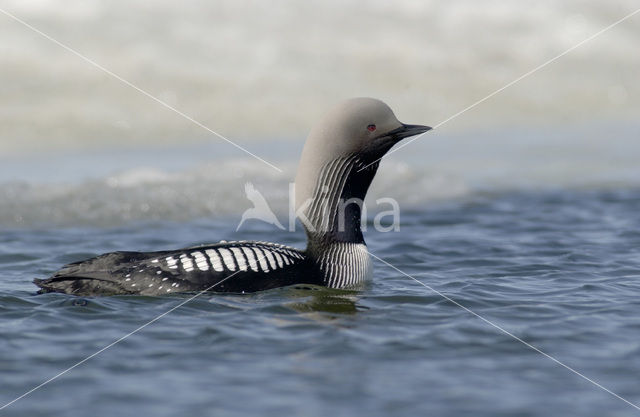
{"type": "Point", "coordinates": [339, 160]}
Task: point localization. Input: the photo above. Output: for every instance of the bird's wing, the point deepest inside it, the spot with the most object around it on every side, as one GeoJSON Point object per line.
{"type": "Point", "coordinates": [223, 267]}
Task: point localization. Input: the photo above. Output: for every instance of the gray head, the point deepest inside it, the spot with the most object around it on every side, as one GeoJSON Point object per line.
{"type": "Point", "coordinates": [362, 126]}
{"type": "Point", "coordinates": [358, 131]}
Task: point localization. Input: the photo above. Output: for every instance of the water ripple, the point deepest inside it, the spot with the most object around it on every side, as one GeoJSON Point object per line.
{"type": "Point", "coordinates": [551, 268]}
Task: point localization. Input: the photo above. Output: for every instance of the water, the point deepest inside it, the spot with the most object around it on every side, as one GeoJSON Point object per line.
{"type": "Point", "coordinates": [523, 210]}
{"type": "Point", "coordinates": [206, 180]}
{"type": "Point", "coordinates": [559, 269]}
{"type": "Point", "coordinates": [543, 244]}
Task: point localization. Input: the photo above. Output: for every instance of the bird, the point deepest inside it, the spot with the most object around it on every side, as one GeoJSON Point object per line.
{"type": "Point", "coordinates": [339, 161]}
{"type": "Point", "coordinates": [260, 209]}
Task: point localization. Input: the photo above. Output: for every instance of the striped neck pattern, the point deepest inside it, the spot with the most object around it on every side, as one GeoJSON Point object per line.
{"type": "Point", "coordinates": [345, 265]}
{"type": "Point", "coordinates": [335, 240]}
{"type": "Point", "coordinates": [335, 211]}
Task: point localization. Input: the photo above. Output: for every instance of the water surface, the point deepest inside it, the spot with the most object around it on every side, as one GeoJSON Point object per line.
{"type": "Point", "coordinates": [559, 269]}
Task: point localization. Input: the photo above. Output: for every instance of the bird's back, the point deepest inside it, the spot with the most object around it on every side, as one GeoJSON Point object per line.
{"type": "Point", "coordinates": [241, 266]}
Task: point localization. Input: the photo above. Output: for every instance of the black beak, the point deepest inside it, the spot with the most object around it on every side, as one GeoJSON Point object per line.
{"type": "Point", "coordinates": [405, 131]}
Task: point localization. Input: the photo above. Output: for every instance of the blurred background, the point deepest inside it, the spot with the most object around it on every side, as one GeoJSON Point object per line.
{"type": "Point", "coordinates": [78, 145]}
{"type": "Point", "coordinates": [524, 208]}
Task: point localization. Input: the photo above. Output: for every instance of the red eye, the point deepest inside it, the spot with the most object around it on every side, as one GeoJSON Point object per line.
{"type": "Point", "coordinates": [371, 128]}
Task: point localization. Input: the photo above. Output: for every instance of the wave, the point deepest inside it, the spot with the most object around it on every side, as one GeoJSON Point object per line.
{"type": "Point", "coordinates": [186, 183]}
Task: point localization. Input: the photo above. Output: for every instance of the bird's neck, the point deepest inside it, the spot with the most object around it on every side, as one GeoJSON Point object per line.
{"type": "Point", "coordinates": [333, 212]}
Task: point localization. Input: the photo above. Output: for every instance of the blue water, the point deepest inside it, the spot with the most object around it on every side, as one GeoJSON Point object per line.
{"type": "Point", "coordinates": [523, 209]}
{"type": "Point", "coordinates": [559, 269]}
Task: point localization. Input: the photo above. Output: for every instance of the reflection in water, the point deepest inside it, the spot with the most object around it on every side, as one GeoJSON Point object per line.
{"type": "Point", "coordinates": [316, 299]}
